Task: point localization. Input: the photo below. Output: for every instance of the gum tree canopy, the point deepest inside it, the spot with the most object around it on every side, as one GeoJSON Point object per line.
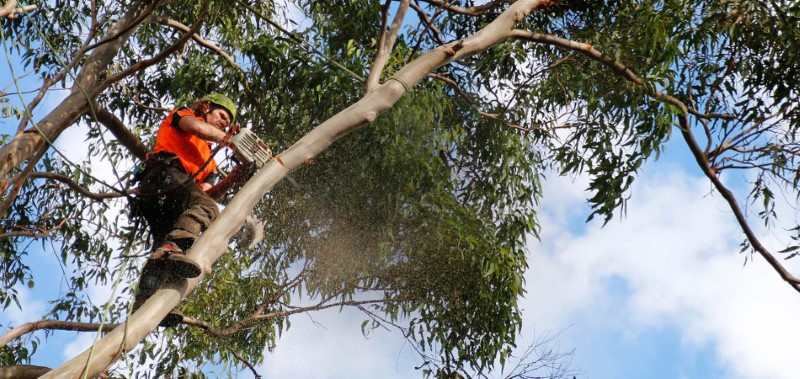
{"type": "Point", "coordinates": [444, 114]}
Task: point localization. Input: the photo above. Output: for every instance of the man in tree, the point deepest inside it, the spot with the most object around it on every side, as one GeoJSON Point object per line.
{"type": "Point", "coordinates": [176, 196]}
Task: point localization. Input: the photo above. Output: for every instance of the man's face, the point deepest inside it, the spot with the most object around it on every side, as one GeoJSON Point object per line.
{"type": "Point", "coordinates": [218, 117]}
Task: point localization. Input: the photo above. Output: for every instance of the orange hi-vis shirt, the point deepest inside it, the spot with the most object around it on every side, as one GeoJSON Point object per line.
{"type": "Point", "coordinates": [191, 150]}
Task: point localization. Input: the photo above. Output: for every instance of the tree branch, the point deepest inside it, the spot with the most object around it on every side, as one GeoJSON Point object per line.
{"type": "Point", "coordinates": [75, 186]}
{"type": "Point", "coordinates": [145, 63]}
{"type": "Point", "coordinates": [120, 131]}
{"type": "Point", "coordinates": [201, 41]}
{"type": "Point", "coordinates": [386, 43]}
{"type": "Point", "coordinates": [429, 27]}
{"type": "Point", "coordinates": [470, 11]}
{"type": "Point", "coordinates": [53, 325]}
{"type": "Point", "coordinates": [25, 145]}
{"type": "Point", "coordinates": [34, 233]}
{"type": "Point", "coordinates": [10, 10]}
{"type": "Point", "coordinates": [16, 181]}
{"type": "Point", "coordinates": [23, 372]}
{"type": "Point", "coordinates": [258, 316]}
{"type": "Point", "coordinates": [700, 158]}
{"type": "Point", "coordinates": [48, 82]}
{"type": "Point", "coordinates": [245, 361]}
{"type": "Point", "coordinates": [494, 116]}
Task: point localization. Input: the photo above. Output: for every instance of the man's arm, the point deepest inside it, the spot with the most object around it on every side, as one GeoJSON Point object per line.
{"type": "Point", "coordinates": [201, 129]}
{"type": "Point", "coordinates": [239, 174]}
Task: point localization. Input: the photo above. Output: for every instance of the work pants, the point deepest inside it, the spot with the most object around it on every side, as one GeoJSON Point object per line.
{"type": "Point", "coordinates": [174, 206]}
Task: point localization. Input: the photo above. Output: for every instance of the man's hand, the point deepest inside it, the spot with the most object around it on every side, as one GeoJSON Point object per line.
{"type": "Point", "coordinates": [240, 174]}
{"type": "Point", "coordinates": [232, 131]}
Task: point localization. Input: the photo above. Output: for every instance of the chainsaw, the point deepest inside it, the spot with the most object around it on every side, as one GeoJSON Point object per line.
{"type": "Point", "coordinates": [250, 149]}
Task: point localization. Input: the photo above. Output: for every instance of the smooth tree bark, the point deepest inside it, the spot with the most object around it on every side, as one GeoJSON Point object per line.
{"type": "Point", "coordinates": [214, 241]}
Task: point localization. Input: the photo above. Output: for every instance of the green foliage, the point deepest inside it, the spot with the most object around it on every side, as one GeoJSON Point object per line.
{"type": "Point", "coordinates": [427, 210]}
{"type": "Point", "coordinates": [16, 354]}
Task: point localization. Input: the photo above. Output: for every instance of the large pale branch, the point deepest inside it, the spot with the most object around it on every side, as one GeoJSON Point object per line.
{"type": "Point", "coordinates": [686, 131]}
{"type": "Point", "coordinates": [213, 243]}
{"type": "Point", "coordinates": [385, 45]}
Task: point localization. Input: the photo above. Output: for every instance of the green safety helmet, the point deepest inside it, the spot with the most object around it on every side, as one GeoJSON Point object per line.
{"type": "Point", "coordinates": [222, 101]}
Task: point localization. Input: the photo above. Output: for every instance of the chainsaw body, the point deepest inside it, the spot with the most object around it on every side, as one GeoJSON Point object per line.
{"type": "Point", "coordinates": [250, 149]}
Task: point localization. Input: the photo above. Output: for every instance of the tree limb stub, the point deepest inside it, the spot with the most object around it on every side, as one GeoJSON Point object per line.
{"type": "Point", "coordinates": [214, 241]}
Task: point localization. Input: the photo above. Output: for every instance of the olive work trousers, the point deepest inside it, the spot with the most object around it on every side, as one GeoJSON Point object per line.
{"type": "Point", "coordinates": [174, 206]}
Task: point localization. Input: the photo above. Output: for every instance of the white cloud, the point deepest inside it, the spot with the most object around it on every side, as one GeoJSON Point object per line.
{"type": "Point", "coordinates": [31, 309]}
{"type": "Point", "coordinates": [329, 344]}
{"type": "Point", "coordinates": [672, 263]}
